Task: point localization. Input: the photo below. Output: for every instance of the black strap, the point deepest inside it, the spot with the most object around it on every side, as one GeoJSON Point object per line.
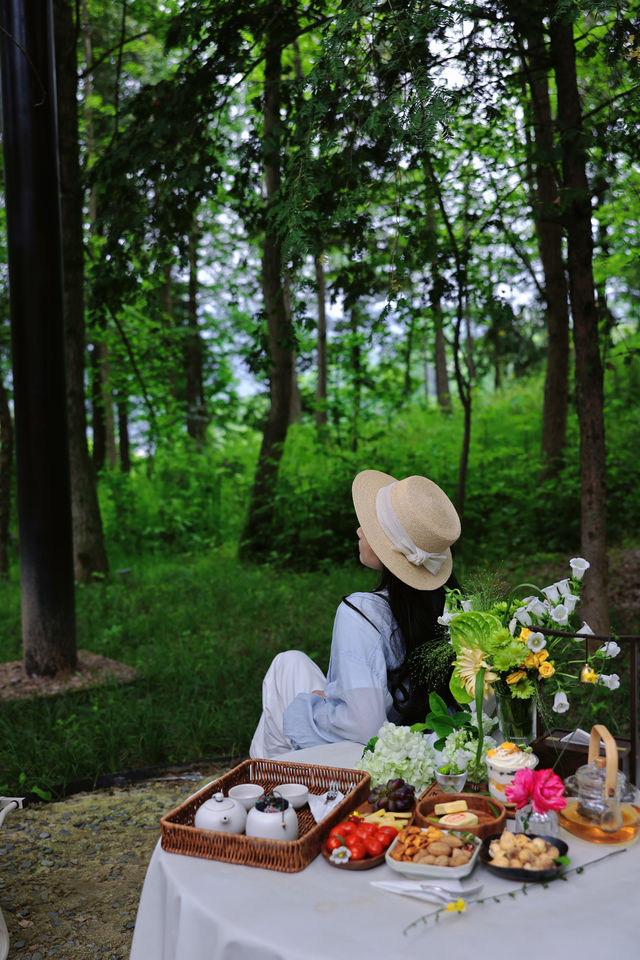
{"type": "Point", "coordinates": [353, 607]}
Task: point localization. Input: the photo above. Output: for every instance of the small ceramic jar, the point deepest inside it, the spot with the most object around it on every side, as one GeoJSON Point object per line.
{"type": "Point", "coordinates": [273, 818]}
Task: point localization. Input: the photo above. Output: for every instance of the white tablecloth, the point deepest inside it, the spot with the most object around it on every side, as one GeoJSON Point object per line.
{"type": "Point", "coordinates": [195, 909]}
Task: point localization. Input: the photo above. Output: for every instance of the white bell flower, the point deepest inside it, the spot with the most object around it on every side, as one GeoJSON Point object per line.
{"type": "Point", "coordinates": [609, 649]}
{"type": "Point", "coordinates": [611, 681]}
{"type": "Point", "coordinates": [537, 607]}
{"type": "Point", "coordinates": [570, 602]}
{"type": "Point", "coordinates": [579, 567]}
{"type": "Point", "coordinates": [585, 630]}
{"type": "Point", "coordinates": [523, 617]}
{"type": "Point", "coordinates": [446, 618]}
{"type": "Point", "coordinates": [560, 615]}
{"type": "Point", "coordinates": [560, 702]}
{"type": "Point", "coordinates": [551, 592]}
{"type": "Point", "coordinates": [536, 642]}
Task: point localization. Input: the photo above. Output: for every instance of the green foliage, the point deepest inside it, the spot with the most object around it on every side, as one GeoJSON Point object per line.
{"type": "Point", "coordinates": [201, 633]}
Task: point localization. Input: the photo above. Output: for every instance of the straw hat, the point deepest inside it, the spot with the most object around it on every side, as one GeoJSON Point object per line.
{"type": "Point", "coordinates": [409, 524]}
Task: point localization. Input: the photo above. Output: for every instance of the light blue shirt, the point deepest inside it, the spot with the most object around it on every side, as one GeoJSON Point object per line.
{"type": "Point", "coordinates": [357, 697]}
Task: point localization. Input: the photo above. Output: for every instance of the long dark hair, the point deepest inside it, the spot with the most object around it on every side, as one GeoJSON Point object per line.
{"type": "Point", "coordinates": [426, 665]}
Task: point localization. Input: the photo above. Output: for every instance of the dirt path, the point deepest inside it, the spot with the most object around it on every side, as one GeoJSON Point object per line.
{"type": "Point", "coordinates": [71, 873]}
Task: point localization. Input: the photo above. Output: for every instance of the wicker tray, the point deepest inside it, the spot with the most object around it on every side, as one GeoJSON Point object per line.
{"type": "Point", "coordinates": [180, 836]}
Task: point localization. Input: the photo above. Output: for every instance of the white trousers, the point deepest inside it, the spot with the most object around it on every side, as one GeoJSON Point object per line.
{"type": "Point", "coordinates": [289, 674]}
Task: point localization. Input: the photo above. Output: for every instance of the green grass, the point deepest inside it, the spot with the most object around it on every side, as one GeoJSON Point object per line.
{"type": "Point", "coordinates": [201, 628]}
{"type": "Point", "coordinates": [201, 632]}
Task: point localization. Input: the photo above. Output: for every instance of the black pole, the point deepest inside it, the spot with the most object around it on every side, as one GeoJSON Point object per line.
{"type": "Point", "coordinates": [37, 334]}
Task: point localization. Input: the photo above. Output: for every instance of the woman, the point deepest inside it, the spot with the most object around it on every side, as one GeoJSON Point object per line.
{"type": "Point", "coordinates": [406, 531]}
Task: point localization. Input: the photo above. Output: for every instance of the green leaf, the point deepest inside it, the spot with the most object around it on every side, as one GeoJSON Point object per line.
{"type": "Point", "coordinates": [458, 691]}
{"type": "Point", "coordinates": [475, 629]}
{"type": "Point", "coordinates": [437, 704]}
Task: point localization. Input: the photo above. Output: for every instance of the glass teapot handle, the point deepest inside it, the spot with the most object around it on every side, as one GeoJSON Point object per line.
{"type": "Point", "coordinates": [599, 732]}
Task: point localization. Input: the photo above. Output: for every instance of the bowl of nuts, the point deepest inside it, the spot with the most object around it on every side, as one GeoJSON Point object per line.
{"type": "Point", "coordinates": [522, 856]}
{"type": "Point", "coordinates": [430, 852]}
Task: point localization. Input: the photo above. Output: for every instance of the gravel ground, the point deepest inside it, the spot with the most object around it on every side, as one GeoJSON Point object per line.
{"type": "Point", "coordinates": [71, 872]}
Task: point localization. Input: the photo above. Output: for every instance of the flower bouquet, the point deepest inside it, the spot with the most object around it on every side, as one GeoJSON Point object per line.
{"type": "Point", "coordinates": [503, 649]}
{"type": "Point", "coordinates": [537, 795]}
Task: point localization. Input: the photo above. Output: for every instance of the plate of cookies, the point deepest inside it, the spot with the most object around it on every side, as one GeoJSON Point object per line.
{"type": "Point", "coordinates": [432, 852]}
{"type": "Point", "coordinates": [523, 856]}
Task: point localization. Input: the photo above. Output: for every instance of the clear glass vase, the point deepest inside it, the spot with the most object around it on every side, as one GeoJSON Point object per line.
{"type": "Point", "coordinates": [541, 824]}
{"type": "Point", "coordinates": [517, 717]}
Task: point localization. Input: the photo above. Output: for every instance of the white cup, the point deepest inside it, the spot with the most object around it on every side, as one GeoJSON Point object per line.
{"type": "Point", "coordinates": [246, 793]}
{"type": "Point", "coordinates": [296, 793]}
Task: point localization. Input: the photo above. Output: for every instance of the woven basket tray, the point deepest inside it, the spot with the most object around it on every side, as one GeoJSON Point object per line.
{"type": "Point", "coordinates": [180, 836]}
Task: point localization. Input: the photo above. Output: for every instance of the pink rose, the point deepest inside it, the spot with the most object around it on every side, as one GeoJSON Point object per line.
{"type": "Point", "coordinates": [520, 791]}
{"type": "Point", "coordinates": [548, 792]}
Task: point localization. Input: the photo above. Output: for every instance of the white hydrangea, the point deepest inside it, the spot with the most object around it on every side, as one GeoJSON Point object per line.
{"type": "Point", "coordinates": [460, 748]}
{"type": "Point", "coordinates": [399, 752]}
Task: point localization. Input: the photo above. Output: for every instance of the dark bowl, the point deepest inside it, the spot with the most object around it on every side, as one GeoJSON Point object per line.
{"type": "Point", "coordinates": [519, 873]}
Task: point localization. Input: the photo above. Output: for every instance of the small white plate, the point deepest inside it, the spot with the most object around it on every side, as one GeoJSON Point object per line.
{"type": "Point", "coordinates": [417, 870]}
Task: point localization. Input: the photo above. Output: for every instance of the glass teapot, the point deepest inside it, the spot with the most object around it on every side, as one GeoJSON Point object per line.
{"type": "Point", "coordinates": [600, 798]}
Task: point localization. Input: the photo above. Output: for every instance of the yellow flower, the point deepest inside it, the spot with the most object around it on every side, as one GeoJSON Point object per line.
{"type": "Point", "coordinates": [468, 665]}
{"type": "Point", "coordinates": [524, 634]}
{"type": "Point", "coordinates": [532, 660]}
{"type": "Point", "coordinates": [457, 906]}
{"type": "Point", "coordinates": [546, 670]}
{"type": "Point", "coordinates": [542, 655]}
{"type": "Point", "coordinates": [588, 675]}
{"type": "Point", "coordinates": [514, 677]}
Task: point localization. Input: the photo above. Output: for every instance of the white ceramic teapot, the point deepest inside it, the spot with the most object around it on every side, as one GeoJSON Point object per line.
{"type": "Point", "coordinates": [274, 818]}
{"type": "Point", "coordinates": [222, 814]}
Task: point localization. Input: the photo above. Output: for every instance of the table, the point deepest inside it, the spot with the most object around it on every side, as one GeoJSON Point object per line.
{"type": "Point", "coordinates": [196, 909]}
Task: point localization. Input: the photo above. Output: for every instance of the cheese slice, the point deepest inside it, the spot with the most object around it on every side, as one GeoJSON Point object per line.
{"type": "Point", "coordinates": [454, 806]}
{"type": "Point", "coordinates": [459, 820]}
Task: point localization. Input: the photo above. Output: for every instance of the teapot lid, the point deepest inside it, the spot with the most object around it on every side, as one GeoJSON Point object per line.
{"type": "Point", "coordinates": [219, 802]}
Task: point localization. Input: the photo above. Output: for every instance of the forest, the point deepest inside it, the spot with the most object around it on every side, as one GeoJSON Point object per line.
{"type": "Point", "coordinates": [299, 240]}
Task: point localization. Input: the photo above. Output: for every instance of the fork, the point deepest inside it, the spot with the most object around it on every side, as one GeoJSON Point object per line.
{"type": "Point", "coordinates": [447, 895]}
{"type": "Point", "coordinates": [332, 791]}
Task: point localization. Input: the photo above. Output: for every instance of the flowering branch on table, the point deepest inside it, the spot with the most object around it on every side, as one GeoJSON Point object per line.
{"type": "Point", "coordinates": [498, 897]}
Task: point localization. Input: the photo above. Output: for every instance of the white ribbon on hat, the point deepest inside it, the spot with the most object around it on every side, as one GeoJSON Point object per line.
{"type": "Point", "coordinates": [400, 539]}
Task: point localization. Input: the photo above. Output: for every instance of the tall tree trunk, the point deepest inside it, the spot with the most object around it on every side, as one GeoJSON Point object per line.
{"type": "Point", "coordinates": [321, 384]}
{"type": "Point", "coordinates": [443, 392]}
{"type": "Point", "coordinates": [6, 476]}
{"type": "Point", "coordinates": [464, 384]}
{"type": "Point", "coordinates": [89, 555]}
{"type": "Point", "coordinates": [123, 434]}
{"type": "Point", "coordinates": [576, 209]}
{"type": "Point", "coordinates": [295, 410]}
{"type": "Point", "coordinates": [408, 356]}
{"type": "Point", "coordinates": [103, 422]}
{"type": "Point", "coordinates": [99, 446]}
{"type": "Point", "coordinates": [32, 192]}
{"type": "Point", "coordinates": [355, 353]}
{"type": "Point", "coordinates": [255, 539]}
{"type": "Point", "coordinates": [196, 410]}
{"type": "Point", "coordinates": [549, 235]}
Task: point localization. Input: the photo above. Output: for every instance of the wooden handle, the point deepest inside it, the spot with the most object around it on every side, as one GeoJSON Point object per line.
{"type": "Point", "coordinates": [599, 732]}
